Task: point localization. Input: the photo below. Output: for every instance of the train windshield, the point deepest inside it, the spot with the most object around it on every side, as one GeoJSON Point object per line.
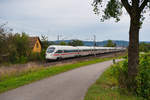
{"type": "Point", "coordinates": [50, 50]}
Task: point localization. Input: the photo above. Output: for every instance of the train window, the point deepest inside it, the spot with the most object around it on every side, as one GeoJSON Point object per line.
{"type": "Point", "coordinates": [59, 51]}
{"type": "Point", "coordinates": [76, 50]}
{"type": "Point", "coordinates": [65, 51]}
{"type": "Point", "coordinates": [87, 50]}
{"type": "Point", "coordinates": [50, 50]}
{"type": "Point", "coordinates": [68, 51]}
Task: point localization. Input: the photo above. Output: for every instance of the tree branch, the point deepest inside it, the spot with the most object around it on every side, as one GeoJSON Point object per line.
{"type": "Point", "coordinates": [143, 5]}
{"type": "Point", "coordinates": [126, 5]}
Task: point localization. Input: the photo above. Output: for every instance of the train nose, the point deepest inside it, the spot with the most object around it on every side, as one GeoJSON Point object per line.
{"type": "Point", "coordinates": [48, 55]}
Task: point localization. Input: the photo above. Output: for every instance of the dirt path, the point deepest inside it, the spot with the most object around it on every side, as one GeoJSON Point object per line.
{"type": "Point", "coordinates": [71, 85]}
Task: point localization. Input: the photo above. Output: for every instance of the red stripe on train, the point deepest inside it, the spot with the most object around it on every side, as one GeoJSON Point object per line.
{"type": "Point", "coordinates": [56, 55]}
{"type": "Point", "coordinates": [64, 54]}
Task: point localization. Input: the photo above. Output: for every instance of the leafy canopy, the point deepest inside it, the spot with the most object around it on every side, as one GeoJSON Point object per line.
{"type": "Point", "coordinates": [76, 43]}
{"type": "Point", "coordinates": [113, 8]}
{"type": "Point", "coordinates": [110, 44]}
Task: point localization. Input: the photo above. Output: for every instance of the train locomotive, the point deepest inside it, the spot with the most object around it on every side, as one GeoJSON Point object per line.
{"type": "Point", "coordinates": [56, 52]}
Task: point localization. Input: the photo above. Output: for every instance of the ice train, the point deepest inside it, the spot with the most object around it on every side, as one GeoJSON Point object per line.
{"type": "Point", "coordinates": [55, 52]}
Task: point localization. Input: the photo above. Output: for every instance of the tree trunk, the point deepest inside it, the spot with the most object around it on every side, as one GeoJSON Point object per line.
{"type": "Point", "coordinates": [133, 51]}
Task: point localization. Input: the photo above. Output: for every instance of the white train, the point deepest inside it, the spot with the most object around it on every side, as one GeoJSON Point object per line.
{"type": "Point", "coordinates": [54, 52]}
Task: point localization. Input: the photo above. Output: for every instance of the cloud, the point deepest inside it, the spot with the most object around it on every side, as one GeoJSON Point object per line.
{"type": "Point", "coordinates": [72, 18]}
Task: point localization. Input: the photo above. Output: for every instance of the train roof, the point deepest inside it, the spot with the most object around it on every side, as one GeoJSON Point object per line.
{"type": "Point", "coordinates": [62, 47]}
{"type": "Point", "coordinates": [84, 47]}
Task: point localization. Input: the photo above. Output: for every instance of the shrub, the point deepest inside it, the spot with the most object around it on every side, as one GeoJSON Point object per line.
{"type": "Point", "coordinates": [14, 48]}
{"type": "Point", "coordinates": [43, 54]}
{"type": "Point", "coordinates": [120, 71]}
{"type": "Point", "coordinates": [22, 60]}
{"type": "Point", "coordinates": [37, 56]}
{"type": "Point", "coordinates": [142, 82]}
{"type": "Point", "coordinates": [34, 56]}
{"type": "Point", "coordinates": [143, 78]}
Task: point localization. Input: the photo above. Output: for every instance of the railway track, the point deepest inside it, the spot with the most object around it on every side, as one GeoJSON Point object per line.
{"type": "Point", "coordinates": [25, 67]}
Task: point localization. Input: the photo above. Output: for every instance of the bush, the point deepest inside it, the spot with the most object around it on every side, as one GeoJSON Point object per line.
{"type": "Point", "coordinates": [43, 54]}
{"type": "Point", "coordinates": [120, 71]}
{"type": "Point", "coordinates": [34, 56]}
{"type": "Point", "coordinates": [144, 47]}
{"type": "Point", "coordinates": [143, 78]}
{"type": "Point", "coordinates": [22, 60]}
{"type": "Point", "coordinates": [37, 56]}
{"type": "Point", "coordinates": [142, 82]}
{"type": "Point", "coordinates": [14, 48]}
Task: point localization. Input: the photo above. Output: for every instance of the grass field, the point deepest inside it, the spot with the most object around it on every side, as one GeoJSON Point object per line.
{"type": "Point", "coordinates": [20, 79]}
{"type": "Point", "coordinates": [106, 88]}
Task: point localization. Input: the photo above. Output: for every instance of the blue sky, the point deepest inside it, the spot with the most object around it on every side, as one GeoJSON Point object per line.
{"type": "Point", "coordinates": [72, 19]}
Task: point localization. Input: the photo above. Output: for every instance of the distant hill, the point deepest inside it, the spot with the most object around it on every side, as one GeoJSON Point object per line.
{"type": "Point", "coordinates": [119, 43]}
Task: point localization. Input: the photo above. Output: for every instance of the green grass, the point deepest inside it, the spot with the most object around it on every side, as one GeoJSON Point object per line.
{"type": "Point", "coordinates": [106, 88]}
{"type": "Point", "coordinates": [14, 81]}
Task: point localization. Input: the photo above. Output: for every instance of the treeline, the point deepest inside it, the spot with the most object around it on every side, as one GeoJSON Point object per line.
{"type": "Point", "coordinates": [110, 44]}
{"type": "Point", "coordinates": [70, 43]}
{"type": "Point", "coordinates": [15, 48]}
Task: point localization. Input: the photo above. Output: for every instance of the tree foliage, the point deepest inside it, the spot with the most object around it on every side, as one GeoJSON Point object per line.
{"type": "Point", "coordinates": [15, 47]}
{"type": "Point", "coordinates": [76, 43]}
{"type": "Point", "coordinates": [110, 44]}
{"type": "Point", "coordinates": [21, 42]}
{"type": "Point", "coordinates": [144, 47]}
{"type": "Point", "coordinates": [113, 8]}
{"type": "Point", "coordinates": [62, 43]}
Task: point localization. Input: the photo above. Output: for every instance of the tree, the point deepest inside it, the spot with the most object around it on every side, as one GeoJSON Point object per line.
{"type": "Point", "coordinates": [110, 44]}
{"type": "Point", "coordinates": [14, 48]}
{"type": "Point", "coordinates": [21, 42]}
{"type": "Point", "coordinates": [3, 41]}
{"type": "Point", "coordinates": [136, 10]}
{"type": "Point", "coordinates": [62, 43]}
{"type": "Point", "coordinates": [76, 43]}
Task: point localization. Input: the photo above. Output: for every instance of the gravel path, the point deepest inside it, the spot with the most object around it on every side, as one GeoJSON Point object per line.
{"type": "Point", "coordinates": [71, 85]}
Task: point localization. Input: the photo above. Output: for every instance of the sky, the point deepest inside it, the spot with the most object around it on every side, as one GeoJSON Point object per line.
{"type": "Point", "coordinates": [70, 19]}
